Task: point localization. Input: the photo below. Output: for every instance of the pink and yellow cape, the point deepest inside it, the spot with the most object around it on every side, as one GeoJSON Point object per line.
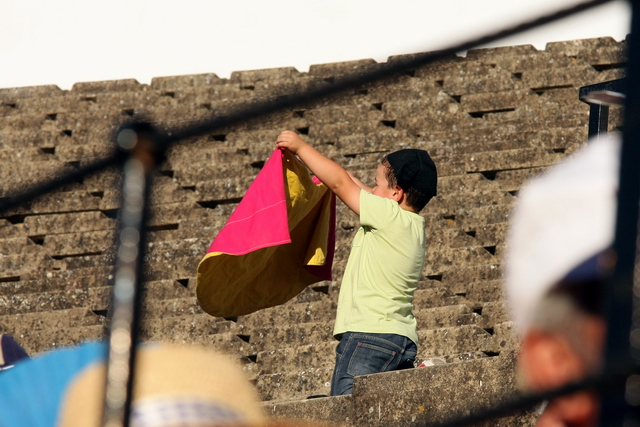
{"type": "Point", "coordinates": [279, 240]}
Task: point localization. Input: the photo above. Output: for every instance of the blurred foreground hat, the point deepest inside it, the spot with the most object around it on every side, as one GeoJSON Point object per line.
{"type": "Point", "coordinates": [173, 386]}
{"type": "Point", "coordinates": [184, 386]}
{"type": "Point", "coordinates": [562, 219]}
{"type": "Point", "coordinates": [414, 168]}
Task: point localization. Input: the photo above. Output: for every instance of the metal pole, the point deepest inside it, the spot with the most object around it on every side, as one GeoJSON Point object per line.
{"type": "Point", "coordinates": [620, 351]}
{"type": "Point", "coordinates": [138, 140]}
{"type": "Point", "coordinates": [598, 120]}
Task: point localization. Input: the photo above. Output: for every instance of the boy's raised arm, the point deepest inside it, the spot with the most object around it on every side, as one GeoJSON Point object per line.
{"type": "Point", "coordinates": [334, 176]}
{"type": "Point", "coordinates": [360, 183]}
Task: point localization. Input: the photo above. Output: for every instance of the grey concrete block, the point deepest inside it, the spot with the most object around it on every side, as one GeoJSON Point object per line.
{"type": "Point", "coordinates": [486, 102]}
{"type": "Point", "coordinates": [297, 358]}
{"type": "Point", "coordinates": [44, 301]}
{"type": "Point", "coordinates": [439, 261]}
{"type": "Point", "coordinates": [512, 159]}
{"type": "Point", "coordinates": [8, 230]}
{"type": "Point", "coordinates": [187, 327]}
{"type": "Point", "coordinates": [22, 324]}
{"type": "Point", "coordinates": [457, 279]}
{"type": "Point", "coordinates": [65, 201]}
{"type": "Point", "coordinates": [75, 244]}
{"type": "Point", "coordinates": [435, 297]}
{"type": "Point", "coordinates": [171, 307]}
{"type": "Point", "coordinates": [166, 289]}
{"type": "Point", "coordinates": [47, 339]}
{"type": "Point", "coordinates": [170, 83]}
{"type": "Point", "coordinates": [595, 51]}
{"type": "Point", "coordinates": [25, 266]}
{"type": "Point", "coordinates": [295, 385]}
{"type": "Point", "coordinates": [337, 409]}
{"type": "Point", "coordinates": [477, 77]}
{"type": "Point", "coordinates": [290, 313]}
{"type": "Point", "coordinates": [39, 225]}
{"type": "Point", "coordinates": [253, 77]}
{"type": "Point", "coordinates": [287, 335]}
{"type": "Point", "coordinates": [434, 394]}
{"type": "Point", "coordinates": [108, 86]}
{"type": "Point", "coordinates": [485, 291]}
{"type": "Point", "coordinates": [493, 313]}
{"type": "Point", "coordinates": [342, 68]}
{"type": "Point", "coordinates": [512, 180]}
{"type": "Point", "coordinates": [442, 317]}
{"type": "Point", "coordinates": [453, 340]}
{"type": "Point", "coordinates": [13, 94]}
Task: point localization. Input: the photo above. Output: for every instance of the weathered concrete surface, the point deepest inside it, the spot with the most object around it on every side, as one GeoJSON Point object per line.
{"type": "Point", "coordinates": [417, 397]}
{"type": "Point", "coordinates": [491, 120]}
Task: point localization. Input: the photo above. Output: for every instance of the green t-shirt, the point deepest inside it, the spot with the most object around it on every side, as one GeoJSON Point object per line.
{"type": "Point", "coordinates": [383, 270]}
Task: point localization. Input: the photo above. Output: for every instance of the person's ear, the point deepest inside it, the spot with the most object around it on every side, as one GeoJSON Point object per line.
{"type": "Point", "coordinates": [398, 194]}
{"type": "Point", "coordinates": [549, 361]}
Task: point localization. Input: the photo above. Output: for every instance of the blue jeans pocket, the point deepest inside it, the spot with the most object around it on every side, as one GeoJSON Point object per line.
{"type": "Point", "coordinates": [370, 359]}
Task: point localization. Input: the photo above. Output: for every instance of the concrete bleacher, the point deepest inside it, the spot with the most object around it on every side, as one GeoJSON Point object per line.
{"type": "Point", "coordinates": [491, 120]}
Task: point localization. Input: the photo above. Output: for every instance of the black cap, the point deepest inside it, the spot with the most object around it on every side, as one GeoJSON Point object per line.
{"type": "Point", "coordinates": [414, 169]}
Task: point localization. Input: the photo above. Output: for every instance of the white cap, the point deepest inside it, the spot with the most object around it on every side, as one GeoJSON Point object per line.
{"type": "Point", "coordinates": [562, 218]}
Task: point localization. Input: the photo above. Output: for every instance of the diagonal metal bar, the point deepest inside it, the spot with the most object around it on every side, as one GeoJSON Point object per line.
{"type": "Point", "coordinates": [604, 381]}
{"type": "Point", "coordinates": [323, 89]}
{"type": "Point", "coordinates": [42, 188]}
{"type": "Point", "coordinates": [315, 93]}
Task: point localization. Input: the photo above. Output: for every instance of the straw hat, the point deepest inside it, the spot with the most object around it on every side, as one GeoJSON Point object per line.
{"type": "Point", "coordinates": [173, 386]}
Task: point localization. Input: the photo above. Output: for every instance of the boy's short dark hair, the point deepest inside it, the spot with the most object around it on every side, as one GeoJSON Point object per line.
{"type": "Point", "coordinates": [415, 172]}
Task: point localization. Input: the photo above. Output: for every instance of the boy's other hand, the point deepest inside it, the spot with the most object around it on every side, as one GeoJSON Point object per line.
{"type": "Point", "coordinates": [290, 140]}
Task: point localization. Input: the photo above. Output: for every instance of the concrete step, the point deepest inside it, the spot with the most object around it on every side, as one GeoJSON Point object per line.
{"type": "Point", "coordinates": [37, 341]}
{"type": "Point", "coordinates": [78, 222]}
{"type": "Point", "coordinates": [25, 323]}
{"type": "Point", "coordinates": [295, 385]}
{"type": "Point", "coordinates": [454, 340]}
{"type": "Point", "coordinates": [438, 296]}
{"type": "Point", "coordinates": [290, 313]}
{"type": "Point", "coordinates": [443, 259]}
{"type": "Point", "coordinates": [493, 313]}
{"type": "Point", "coordinates": [167, 289]}
{"type": "Point", "coordinates": [297, 358]}
{"type": "Point", "coordinates": [285, 335]}
{"type": "Point", "coordinates": [440, 317]}
{"type": "Point", "coordinates": [77, 244]}
{"type": "Point", "coordinates": [188, 327]}
{"type": "Point", "coordinates": [159, 308]}
{"type": "Point", "coordinates": [416, 397]}
{"type": "Point", "coordinates": [457, 279]}
{"type": "Point", "coordinates": [92, 298]}
{"type": "Point", "coordinates": [61, 202]}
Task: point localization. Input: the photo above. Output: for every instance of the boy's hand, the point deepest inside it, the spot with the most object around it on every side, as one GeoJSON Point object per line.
{"type": "Point", "coordinates": [291, 141]}
{"type": "Point", "coordinates": [334, 176]}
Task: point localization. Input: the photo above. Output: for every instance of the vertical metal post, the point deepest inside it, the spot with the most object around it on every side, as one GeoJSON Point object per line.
{"type": "Point", "coordinates": [138, 141]}
{"type": "Point", "coordinates": [620, 352]}
{"type": "Point", "coordinates": [598, 120]}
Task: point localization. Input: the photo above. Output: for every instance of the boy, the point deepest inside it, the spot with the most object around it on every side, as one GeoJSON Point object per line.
{"type": "Point", "coordinates": [374, 322]}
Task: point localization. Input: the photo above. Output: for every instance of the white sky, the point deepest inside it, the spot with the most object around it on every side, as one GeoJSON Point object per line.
{"type": "Point", "coordinates": [67, 41]}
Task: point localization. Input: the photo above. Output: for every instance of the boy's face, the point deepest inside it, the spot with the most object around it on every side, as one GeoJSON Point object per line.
{"type": "Point", "coordinates": [382, 185]}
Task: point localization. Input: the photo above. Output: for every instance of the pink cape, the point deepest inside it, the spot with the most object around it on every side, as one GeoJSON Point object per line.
{"type": "Point", "coordinates": [279, 240]}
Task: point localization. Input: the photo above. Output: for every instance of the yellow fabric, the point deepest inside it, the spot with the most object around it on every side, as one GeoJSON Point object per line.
{"type": "Point", "coordinates": [229, 285]}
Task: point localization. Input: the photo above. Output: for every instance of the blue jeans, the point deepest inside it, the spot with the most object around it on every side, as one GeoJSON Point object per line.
{"type": "Point", "coordinates": [366, 353]}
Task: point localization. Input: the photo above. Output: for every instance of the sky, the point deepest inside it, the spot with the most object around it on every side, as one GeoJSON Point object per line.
{"type": "Point", "coordinates": [67, 41]}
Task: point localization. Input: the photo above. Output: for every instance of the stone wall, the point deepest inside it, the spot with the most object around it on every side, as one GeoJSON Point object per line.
{"type": "Point", "coordinates": [490, 120]}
